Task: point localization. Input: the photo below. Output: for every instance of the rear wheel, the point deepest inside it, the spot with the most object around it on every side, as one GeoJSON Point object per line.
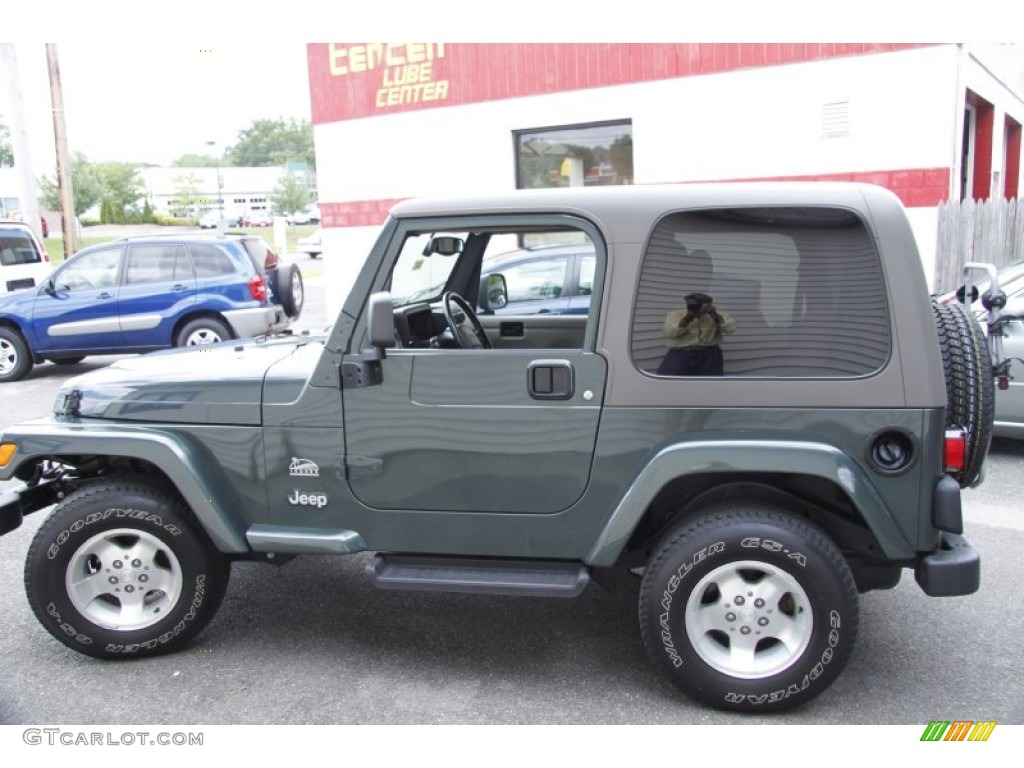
{"type": "Point", "coordinates": [121, 569]}
{"type": "Point", "coordinates": [15, 359]}
{"type": "Point", "coordinates": [749, 608]}
{"type": "Point", "coordinates": [970, 393]}
{"type": "Point", "coordinates": [68, 360]}
{"type": "Point", "coordinates": [203, 330]}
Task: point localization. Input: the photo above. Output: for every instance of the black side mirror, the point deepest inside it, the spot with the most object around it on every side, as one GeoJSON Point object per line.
{"type": "Point", "coordinates": [368, 370]}
{"type": "Point", "coordinates": [493, 292]}
{"type": "Point", "coordinates": [381, 321]}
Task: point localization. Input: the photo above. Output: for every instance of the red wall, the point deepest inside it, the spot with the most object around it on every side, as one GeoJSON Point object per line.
{"type": "Point", "coordinates": [1012, 157]}
{"type": "Point", "coordinates": [353, 80]}
{"type": "Point", "coordinates": [984, 123]}
{"type": "Point", "coordinates": [916, 187]}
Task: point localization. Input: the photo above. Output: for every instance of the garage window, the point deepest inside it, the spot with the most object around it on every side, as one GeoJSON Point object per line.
{"type": "Point", "coordinates": [590, 155]}
{"type": "Point", "coordinates": [803, 285]}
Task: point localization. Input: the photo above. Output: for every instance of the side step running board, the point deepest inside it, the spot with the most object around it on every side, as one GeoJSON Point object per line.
{"type": "Point", "coordinates": [480, 576]}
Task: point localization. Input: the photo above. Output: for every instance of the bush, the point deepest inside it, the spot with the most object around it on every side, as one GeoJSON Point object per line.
{"type": "Point", "coordinates": [148, 217]}
{"type": "Point", "coordinates": [89, 222]}
{"type": "Point", "coordinates": [174, 221]}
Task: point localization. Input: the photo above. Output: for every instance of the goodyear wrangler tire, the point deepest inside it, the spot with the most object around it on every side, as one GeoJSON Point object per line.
{"type": "Point", "coordinates": [121, 570]}
{"type": "Point", "coordinates": [748, 608]}
{"type": "Point", "coordinates": [970, 394]}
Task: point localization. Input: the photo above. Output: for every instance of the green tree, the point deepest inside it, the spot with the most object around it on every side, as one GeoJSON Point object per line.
{"type": "Point", "coordinates": [621, 157]}
{"type": "Point", "coordinates": [273, 142]}
{"type": "Point", "coordinates": [290, 195]}
{"type": "Point", "coordinates": [193, 160]}
{"type": "Point", "coordinates": [186, 193]}
{"type": "Point", "coordinates": [6, 152]}
{"type": "Point", "coordinates": [148, 217]}
{"type": "Point", "coordinates": [121, 183]}
{"type": "Point", "coordinates": [85, 186]}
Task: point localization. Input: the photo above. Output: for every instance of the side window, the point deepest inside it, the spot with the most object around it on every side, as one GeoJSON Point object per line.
{"type": "Point", "coordinates": [156, 263]}
{"type": "Point", "coordinates": [780, 293]}
{"type": "Point", "coordinates": [210, 261]}
{"type": "Point", "coordinates": [98, 269]}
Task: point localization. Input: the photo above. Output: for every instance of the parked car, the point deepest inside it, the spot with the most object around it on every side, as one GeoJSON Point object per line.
{"type": "Point", "coordinates": [311, 244]}
{"type": "Point", "coordinates": [314, 214]}
{"type": "Point", "coordinates": [298, 217]}
{"type": "Point", "coordinates": [146, 293]}
{"type": "Point", "coordinates": [545, 280]}
{"type": "Point", "coordinates": [24, 262]}
{"type": "Point", "coordinates": [210, 218]}
{"type": "Point", "coordinates": [257, 219]}
{"type": "Point", "coordinates": [1009, 407]}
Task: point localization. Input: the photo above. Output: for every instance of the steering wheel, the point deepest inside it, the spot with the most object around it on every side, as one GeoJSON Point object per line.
{"type": "Point", "coordinates": [465, 327]}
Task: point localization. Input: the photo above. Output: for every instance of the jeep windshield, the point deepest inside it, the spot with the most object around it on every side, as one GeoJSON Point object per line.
{"type": "Point", "coordinates": [421, 274]}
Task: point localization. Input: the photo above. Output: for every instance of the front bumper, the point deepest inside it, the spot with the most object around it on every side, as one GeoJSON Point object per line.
{"type": "Point", "coordinates": [954, 568]}
{"type": "Point", "coordinates": [24, 500]}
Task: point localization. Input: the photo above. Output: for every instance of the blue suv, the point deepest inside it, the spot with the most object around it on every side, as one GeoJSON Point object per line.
{"type": "Point", "coordinates": [145, 293]}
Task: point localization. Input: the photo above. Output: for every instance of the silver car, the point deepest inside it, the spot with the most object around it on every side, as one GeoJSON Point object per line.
{"type": "Point", "coordinates": [1009, 421]}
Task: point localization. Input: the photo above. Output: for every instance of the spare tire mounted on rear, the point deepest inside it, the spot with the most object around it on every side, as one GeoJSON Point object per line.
{"type": "Point", "coordinates": [970, 395]}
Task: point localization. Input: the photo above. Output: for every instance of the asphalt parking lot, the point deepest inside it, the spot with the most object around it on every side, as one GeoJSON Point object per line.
{"type": "Point", "coordinates": [315, 642]}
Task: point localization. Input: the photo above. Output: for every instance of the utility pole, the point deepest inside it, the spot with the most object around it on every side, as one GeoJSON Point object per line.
{"type": "Point", "coordinates": [67, 199]}
{"type": "Point", "coordinates": [28, 200]}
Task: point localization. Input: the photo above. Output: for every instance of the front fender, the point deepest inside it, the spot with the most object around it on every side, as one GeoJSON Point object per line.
{"type": "Point", "coordinates": [744, 457]}
{"type": "Point", "coordinates": [183, 460]}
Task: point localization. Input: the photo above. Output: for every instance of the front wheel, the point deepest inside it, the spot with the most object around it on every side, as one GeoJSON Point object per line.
{"type": "Point", "coordinates": [15, 358]}
{"type": "Point", "coordinates": [121, 570]}
{"type": "Point", "coordinates": [749, 608]}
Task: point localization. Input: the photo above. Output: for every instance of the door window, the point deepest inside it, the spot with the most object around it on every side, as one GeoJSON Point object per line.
{"type": "Point", "coordinates": [98, 269]}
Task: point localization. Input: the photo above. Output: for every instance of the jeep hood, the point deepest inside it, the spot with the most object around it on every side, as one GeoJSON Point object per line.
{"type": "Point", "coordinates": [216, 384]}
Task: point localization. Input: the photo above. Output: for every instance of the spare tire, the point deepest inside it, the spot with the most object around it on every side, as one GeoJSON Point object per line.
{"type": "Point", "coordinates": [970, 394]}
{"type": "Point", "coordinates": [292, 291]}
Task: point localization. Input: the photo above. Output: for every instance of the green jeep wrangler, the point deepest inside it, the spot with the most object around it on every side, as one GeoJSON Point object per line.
{"type": "Point", "coordinates": [759, 414]}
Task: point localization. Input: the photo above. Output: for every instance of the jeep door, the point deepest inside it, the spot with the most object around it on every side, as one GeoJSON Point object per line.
{"type": "Point", "coordinates": [501, 430]}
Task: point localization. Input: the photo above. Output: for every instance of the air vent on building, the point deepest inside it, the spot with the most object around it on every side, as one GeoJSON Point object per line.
{"type": "Point", "coordinates": [835, 119]}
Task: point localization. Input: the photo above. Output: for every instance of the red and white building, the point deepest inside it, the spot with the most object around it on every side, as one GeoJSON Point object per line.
{"type": "Point", "coordinates": [398, 120]}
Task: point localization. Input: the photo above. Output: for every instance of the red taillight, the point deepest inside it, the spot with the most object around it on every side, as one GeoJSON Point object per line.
{"type": "Point", "coordinates": [46, 256]}
{"type": "Point", "coordinates": [271, 261]}
{"type": "Point", "coordinates": [258, 288]}
{"type": "Point", "coordinates": [955, 450]}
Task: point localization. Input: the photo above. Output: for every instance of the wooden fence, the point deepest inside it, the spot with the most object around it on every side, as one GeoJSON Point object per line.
{"type": "Point", "coordinates": [970, 230]}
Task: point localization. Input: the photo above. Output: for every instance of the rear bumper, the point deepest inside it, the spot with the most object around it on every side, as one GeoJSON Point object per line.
{"type": "Point", "coordinates": [259, 321]}
{"type": "Point", "coordinates": [954, 568]}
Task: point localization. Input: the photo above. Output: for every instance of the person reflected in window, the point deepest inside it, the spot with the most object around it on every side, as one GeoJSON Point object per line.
{"type": "Point", "coordinates": [694, 336]}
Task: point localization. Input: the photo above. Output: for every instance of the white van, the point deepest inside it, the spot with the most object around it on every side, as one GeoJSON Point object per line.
{"type": "Point", "coordinates": [24, 262]}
